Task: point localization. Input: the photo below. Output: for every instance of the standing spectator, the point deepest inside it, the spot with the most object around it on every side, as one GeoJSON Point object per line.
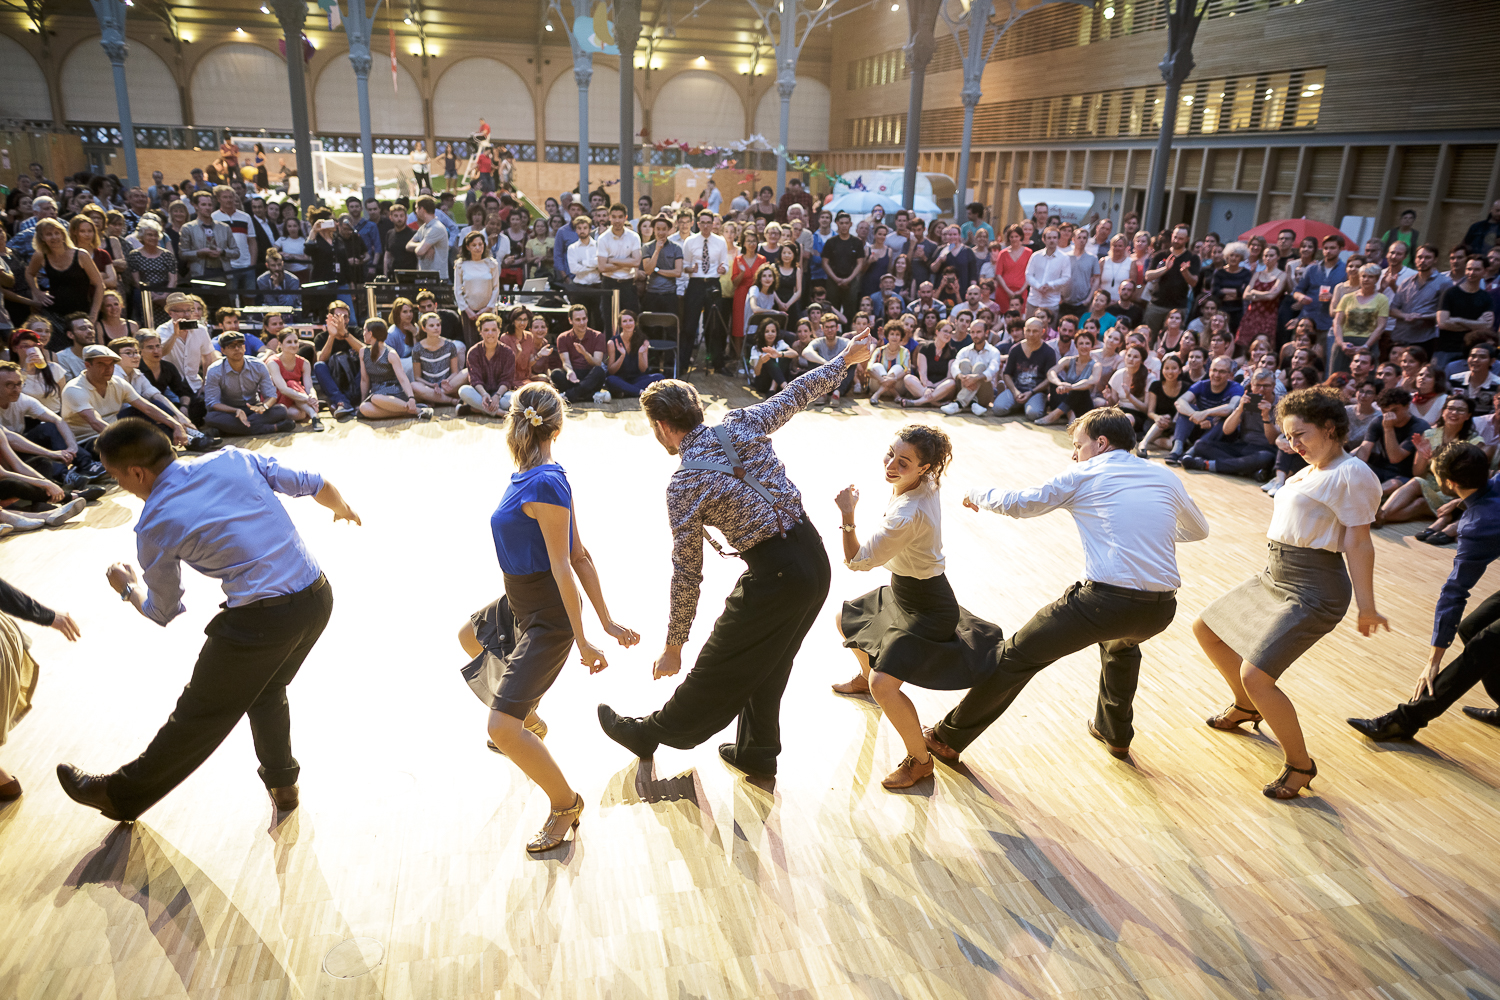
{"type": "Point", "coordinates": [430, 242]}
{"type": "Point", "coordinates": [1263, 299]}
{"type": "Point", "coordinates": [1049, 273]}
{"type": "Point", "coordinates": [765, 207]}
{"type": "Point", "coordinates": [957, 259]}
{"type": "Point", "coordinates": [662, 264]}
{"type": "Point", "coordinates": [152, 267]}
{"type": "Point", "coordinates": [843, 258]}
{"type": "Point", "coordinates": [74, 284]}
{"type": "Point", "coordinates": [398, 256]}
{"type": "Point", "coordinates": [1010, 271]}
{"type": "Point", "coordinates": [580, 352]}
{"type": "Point", "coordinates": [263, 229]}
{"type": "Point", "coordinates": [618, 257]}
{"type": "Point", "coordinates": [1175, 272]}
{"type": "Point", "coordinates": [476, 285]}
{"type": "Point", "coordinates": [367, 228]}
{"type": "Point", "coordinates": [1414, 302]}
{"type": "Point", "coordinates": [1084, 280]}
{"type": "Point", "coordinates": [1484, 234]}
{"type": "Point", "coordinates": [564, 238]}
{"type": "Point", "coordinates": [1404, 232]}
{"type": "Point", "coordinates": [1359, 317]}
{"type": "Point", "coordinates": [976, 223]}
{"type": "Point", "coordinates": [1227, 284]}
{"type": "Point", "coordinates": [583, 268]}
{"type": "Point", "coordinates": [293, 247]}
{"type": "Point", "coordinates": [239, 393]}
{"type": "Point", "coordinates": [705, 258]}
{"type": "Point", "coordinates": [1464, 310]}
{"type": "Point", "coordinates": [420, 171]}
{"type": "Point", "coordinates": [277, 286]}
{"type": "Point", "coordinates": [208, 245]}
{"type": "Point", "coordinates": [795, 195]}
{"type": "Point", "coordinates": [241, 274]}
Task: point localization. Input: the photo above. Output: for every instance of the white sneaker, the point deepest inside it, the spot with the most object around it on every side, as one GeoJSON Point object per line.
{"type": "Point", "coordinates": [978, 410]}
{"type": "Point", "coordinates": [602, 396]}
{"type": "Point", "coordinates": [1275, 488]}
{"type": "Point", "coordinates": [1268, 486]}
{"type": "Point", "coordinates": [68, 510]}
{"type": "Point", "coordinates": [949, 408]}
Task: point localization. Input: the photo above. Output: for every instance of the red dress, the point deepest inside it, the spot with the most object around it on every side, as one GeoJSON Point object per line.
{"type": "Point", "coordinates": [1012, 271]}
{"type": "Point", "coordinates": [743, 275]}
{"type": "Point", "coordinates": [1259, 319]}
{"type": "Point", "coordinates": [293, 380]}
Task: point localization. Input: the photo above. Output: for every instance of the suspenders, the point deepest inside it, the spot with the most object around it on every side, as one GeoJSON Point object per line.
{"type": "Point", "coordinates": [737, 469]}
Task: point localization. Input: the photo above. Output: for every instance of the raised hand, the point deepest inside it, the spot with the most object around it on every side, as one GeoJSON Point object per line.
{"type": "Point", "coordinates": [846, 500]}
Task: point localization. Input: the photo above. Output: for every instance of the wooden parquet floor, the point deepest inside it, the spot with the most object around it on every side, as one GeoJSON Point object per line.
{"type": "Point", "coordinates": [1040, 868]}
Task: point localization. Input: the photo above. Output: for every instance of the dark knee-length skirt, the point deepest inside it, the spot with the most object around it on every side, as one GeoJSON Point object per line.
{"type": "Point", "coordinates": [1277, 615]}
{"type": "Point", "coordinates": [526, 637]}
{"type": "Point", "coordinates": [915, 631]}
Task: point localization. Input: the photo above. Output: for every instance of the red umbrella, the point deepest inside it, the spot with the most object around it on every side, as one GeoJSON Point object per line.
{"type": "Point", "coordinates": [1302, 227]}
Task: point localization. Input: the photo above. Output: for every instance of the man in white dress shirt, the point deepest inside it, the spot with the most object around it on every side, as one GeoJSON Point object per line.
{"type": "Point", "coordinates": [619, 256]}
{"type": "Point", "coordinates": [705, 258]}
{"type": "Point", "coordinates": [975, 368]}
{"type": "Point", "coordinates": [1130, 515]}
{"type": "Point", "coordinates": [585, 285]}
{"type": "Point", "coordinates": [1049, 272]}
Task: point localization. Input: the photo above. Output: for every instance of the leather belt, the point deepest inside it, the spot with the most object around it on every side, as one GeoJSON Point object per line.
{"type": "Point", "coordinates": [280, 599]}
{"type": "Point", "coordinates": [1144, 595]}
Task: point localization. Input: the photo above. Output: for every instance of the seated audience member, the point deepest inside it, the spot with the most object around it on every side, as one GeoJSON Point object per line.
{"type": "Point", "coordinates": [228, 319]}
{"type": "Point", "coordinates": [1410, 358]}
{"type": "Point", "coordinates": [437, 364]}
{"type": "Point", "coordinates": [975, 369]}
{"type": "Point", "coordinates": [162, 374]}
{"type": "Point", "coordinates": [1387, 447]}
{"type": "Point", "coordinates": [292, 374]}
{"type": "Point", "coordinates": [337, 367]}
{"type": "Point", "coordinates": [1071, 383]}
{"type": "Point", "coordinates": [185, 342]}
{"type": "Point", "coordinates": [1204, 406]}
{"type": "Point", "coordinates": [580, 353]}
{"type": "Point", "coordinates": [43, 379]}
{"type": "Point", "coordinates": [239, 394]}
{"type": "Point", "coordinates": [769, 355]}
{"type": "Point", "coordinates": [27, 491]}
{"type": "Point", "coordinates": [63, 464]}
{"type": "Point", "coordinates": [80, 333]}
{"type": "Point", "coordinates": [627, 360]}
{"type": "Point", "coordinates": [93, 400]}
{"type": "Point", "coordinates": [1420, 497]}
{"type": "Point", "coordinates": [129, 369]}
{"type": "Point", "coordinates": [932, 382]}
{"type": "Point", "coordinates": [1305, 335]}
{"type": "Point", "coordinates": [1161, 404]}
{"type": "Point", "coordinates": [384, 389]}
{"type": "Point", "coordinates": [1201, 323]}
{"type": "Point", "coordinates": [890, 363]}
{"type": "Point", "coordinates": [490, 369]}
{"type": "Point", "coordinates": [1428, 394]}
{"type": "Point", "coordinates": [278, 286]}
{"type": "Point", "coordinates": [821, 350]}
{"type": "Point", "coordinates": [453, 327]}
{"type": "Point", "coordinates": [1363, 412]}
{"type": "Point", "coordinates": [1128, 386]}
{"type": "Point", "coordinates": [1025, 374]}
{"type": "Point", "coordinates": [1241, 444]}
{"type": "Point", "coordinates": [527, 338]}
{"type": "Point", "coordinates": [1478, 382]}
{"type": "Point", "coordinates": [1387, 375]}
{"type": "Point", "coordinates": [1108, 357]}
{"type": "Point", "coordinates": [1194, 365]}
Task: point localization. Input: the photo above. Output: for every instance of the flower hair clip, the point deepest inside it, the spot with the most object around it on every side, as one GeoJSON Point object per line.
{"type": "Point", "coordinates": [536, 421]}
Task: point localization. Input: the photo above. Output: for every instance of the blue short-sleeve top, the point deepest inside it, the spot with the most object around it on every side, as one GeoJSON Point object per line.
{"type": "Point", "coordinates": [518, 539]}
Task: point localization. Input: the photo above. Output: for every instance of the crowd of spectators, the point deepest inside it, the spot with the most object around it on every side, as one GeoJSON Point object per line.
{"type": "Point", "coordinates": [1196, 338]}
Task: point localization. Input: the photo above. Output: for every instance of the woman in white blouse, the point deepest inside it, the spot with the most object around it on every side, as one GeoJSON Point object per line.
{"type": "Point", "coordinates": [293, 247]}
{"type": "Point", "coordinates": [1320, 521]}
{"type": "Point", "coordinates": [913, 630]}
{"type": "Point", "coordinates": [476, 283]}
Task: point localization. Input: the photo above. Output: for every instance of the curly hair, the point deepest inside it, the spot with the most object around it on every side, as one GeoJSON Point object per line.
{"type": "Point", "coordinates": [932, 446]}
{"type": "Point", "coordinates": [525, 433]}
{"type": "Point", "coordinates": [1320, 405]}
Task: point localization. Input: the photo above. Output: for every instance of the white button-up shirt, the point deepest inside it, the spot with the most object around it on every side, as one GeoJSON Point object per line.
{"type": "Point", "coordinates": [583, 262]}
{"type": "Point", "coordinates": [1130, 515]}
{"type": "Point", "coordinates": [1045, 269]}
{"type": "Point", "coordinates": [618, 248]}
{"type": "Point", "coordinates": [986, 356]}
{"type": "Point", "coordinates": [692, 256]}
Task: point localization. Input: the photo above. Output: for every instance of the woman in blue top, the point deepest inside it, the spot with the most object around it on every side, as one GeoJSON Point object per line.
{"type": "Point", "coordinates": [520, 642]}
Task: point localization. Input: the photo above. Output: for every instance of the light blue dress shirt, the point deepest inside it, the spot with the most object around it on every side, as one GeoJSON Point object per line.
{"type": "Point", "coordinates": [220, 515]}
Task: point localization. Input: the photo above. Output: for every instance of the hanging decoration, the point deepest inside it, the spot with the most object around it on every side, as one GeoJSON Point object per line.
{"type": "Point", "coordinates": [726, 153]}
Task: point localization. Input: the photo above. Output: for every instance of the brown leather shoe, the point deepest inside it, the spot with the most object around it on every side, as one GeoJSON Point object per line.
{"type": "Point", "coordinates": [858, 685]}
{"type": "Point", "coordinates": [89, 790]}
{"type": "Point", "coordinates": [1118, 753]}
{"type": "Point", "coordinates": [285, 799]}
{"type": "Point", "coordinates": [909, 772]}
{"type": "Point", "coordinates": [937, 746]}
{"type": "Point", "coordinates": [11, 790]}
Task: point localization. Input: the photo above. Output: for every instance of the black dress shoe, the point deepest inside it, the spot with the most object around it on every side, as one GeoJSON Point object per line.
{"type": "Point", "coordinates": [89, 790]}
{"type": "Point", "coordinates": [284, 798]}
{"type": "Point", "coordinates": [1489, 716]}
{"type": "Point", "coordinates": [627, 732]}
{"type": "Point", "coordinates": [1382, 730]}
{"type": "Point", "coordinates": [727, 754]}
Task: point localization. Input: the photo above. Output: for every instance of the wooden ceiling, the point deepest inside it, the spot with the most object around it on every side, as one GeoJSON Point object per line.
{"type": "Point", "coordinates": [680, 28]}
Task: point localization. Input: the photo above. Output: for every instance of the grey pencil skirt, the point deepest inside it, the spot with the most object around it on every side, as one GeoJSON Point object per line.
{"type": "Point", "coordinates": [1277, 615]}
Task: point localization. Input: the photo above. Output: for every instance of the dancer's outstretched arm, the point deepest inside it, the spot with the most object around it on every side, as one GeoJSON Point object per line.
{"type": "Point", "coordinates": [588, 577]}
{"type": "Point", "coordinates": [799, 393]}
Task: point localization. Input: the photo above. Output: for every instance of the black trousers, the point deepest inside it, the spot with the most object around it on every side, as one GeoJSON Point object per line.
{"type": "Point", "coordinates": [1235, 456]}
{"type": "Point", "coordinates": [662, 302]}
{"type": "Point", "coordinates": [268, 421]}
{"type": "Point", "coordinates": [582, 391]}
{"type": "Point", "coordinates": [1119, 620]}
{"type": "Point", "coordinates": [250, 657]}
{"type": "Point", "coordinates": [1479, 663]}
{"type": "Point", "coordinates": [742, 669]}
{"type": "Point", "coordinates": [700, 302]}
{"type": "Point", "coordinates": [628, 298]}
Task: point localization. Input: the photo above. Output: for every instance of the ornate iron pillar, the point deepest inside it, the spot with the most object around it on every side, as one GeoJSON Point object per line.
{"type": "Point", "coordinates": [358, 27]}
{"type": "Point", "coordinates": [923, 16]}
{"type": "Point", "coordinates": [786, 82]}
{"type": "Point", "coordinates": [293, 15]}
{"type": "Point", "coordinates": [111, 15]}
{"type": "Point", "coordinates": [1183, 18]}
{"type": "Point", "coordinates": [627, 34]}
{"type": "Point", "coordinates": [974, 60]}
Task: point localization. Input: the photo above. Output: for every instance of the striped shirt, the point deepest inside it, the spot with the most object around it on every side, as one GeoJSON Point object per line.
{"type": "Point", "coordinates": [698, 498]}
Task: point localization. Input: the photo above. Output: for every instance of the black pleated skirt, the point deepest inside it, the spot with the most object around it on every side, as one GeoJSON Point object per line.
{"type": "Point", "coordinates": [526, 637]}
{"type": "Point", "coordinates": [915, 631]}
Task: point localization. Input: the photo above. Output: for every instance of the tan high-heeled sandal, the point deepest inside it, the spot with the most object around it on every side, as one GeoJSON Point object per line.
{"type": "Point", "coordinates": [545, 840]}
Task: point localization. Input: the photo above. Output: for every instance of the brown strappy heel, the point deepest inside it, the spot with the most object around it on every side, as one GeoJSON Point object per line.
{"type": "Point", "coordinates": [545, 840]}
{"type": "Point", "coordinates": [1223, 723]}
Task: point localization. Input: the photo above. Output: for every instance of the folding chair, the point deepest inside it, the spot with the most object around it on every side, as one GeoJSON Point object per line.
{"type": "Point", "coordinates": [661, 339]}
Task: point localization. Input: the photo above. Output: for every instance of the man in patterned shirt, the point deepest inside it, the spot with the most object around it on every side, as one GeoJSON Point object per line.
{"type": "Point", "coordinates": [731, 479]}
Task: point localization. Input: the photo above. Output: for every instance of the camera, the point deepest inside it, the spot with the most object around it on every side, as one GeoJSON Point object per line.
{"type": "Point", "coordinates": [187, 324]}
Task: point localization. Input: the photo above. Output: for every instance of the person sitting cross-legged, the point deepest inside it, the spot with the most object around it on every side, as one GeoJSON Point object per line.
{"type": "Point", "coordinates": [130, 351]}
{"type": "Point", "coordinates": [384, 389]}
{"type": "Point", "coordinates": [491, 371]}
{"type": "Point", "coordinates": [580, 351]}
{"type": "Point", "coordinates": [437, 364]}
{"type": "Point", "coordinates": [1205, 405]}
{"type": "Point", "coordinates": [93, 400]}
{"type": "Point", "coordinates": [1240, 445]}
{"type": "Point", "coordinates": [292, 375]}
{"type": "Point", "coordinates": [239, 393]}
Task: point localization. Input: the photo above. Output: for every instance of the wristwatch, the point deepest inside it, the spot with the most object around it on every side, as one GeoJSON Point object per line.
{"type": "Point", "coordinates": [846, 527]}
{"type": "Point", "coordinates": [125, 594]}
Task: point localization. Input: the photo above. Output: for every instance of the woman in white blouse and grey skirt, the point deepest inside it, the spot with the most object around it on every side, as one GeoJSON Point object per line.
{"type": "Point", "coordinates": [913, 630]}
{"type": "Point", "coordinates": [1320, 522]}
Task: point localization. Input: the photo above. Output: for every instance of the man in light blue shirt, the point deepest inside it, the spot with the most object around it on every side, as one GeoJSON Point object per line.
{"type": "Point", "coordinates": [221, 516]}
{"type": "Point", "coordinates": [239, 393]}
